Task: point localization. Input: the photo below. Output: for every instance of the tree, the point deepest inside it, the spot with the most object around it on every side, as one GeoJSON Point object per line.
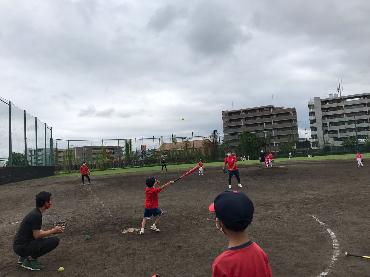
{"type": "Point", "coordinates": [19, 159]}
{"type": "Point", "coordinates": [349, 142]}
{"type": "Point", "coordinates": [251, 145]}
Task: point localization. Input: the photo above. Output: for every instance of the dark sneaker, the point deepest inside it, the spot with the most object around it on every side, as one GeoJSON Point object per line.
{"type": "Point", "coordinates": [31, 264]}
{"type": "Point", "coordinates": [21, 259]}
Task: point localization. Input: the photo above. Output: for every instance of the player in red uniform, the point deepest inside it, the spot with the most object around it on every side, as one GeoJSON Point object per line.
{"type": "Point", "coordinates": [359, 159]}
{"type": "Point", "coordinates": [151, 203]}
{"type": "Point", "coordinates": [233, 170]}
{"type": "Point", "coordinates": [201, 168]}
{"type": "Point", "coordinates": [243, 257]}
{"type": "Point", "coordinates": [85, 172]}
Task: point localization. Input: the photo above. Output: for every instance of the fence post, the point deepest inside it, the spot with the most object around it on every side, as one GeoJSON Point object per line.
{"type": "Point", "coordinates": [44, 144]}
{"type": "Point", "coordinates": [10, 158]}
{"type": "Point", "coordinates": [36, 150]}
{"type": "Point", "coordinates": [51, 156]}
{"type": "Point", "coordinates": [25, 134]}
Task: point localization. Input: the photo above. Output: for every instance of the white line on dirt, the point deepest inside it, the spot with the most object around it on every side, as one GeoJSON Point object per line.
{"type": "Point", "coordinates": [335, 244]}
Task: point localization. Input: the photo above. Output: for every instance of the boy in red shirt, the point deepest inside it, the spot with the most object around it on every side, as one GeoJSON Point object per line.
{"type": "Point", "coordinates": [85, 172]}
{"type": "Point", "coordinates": [233, 170]}
{"type": "Point", "coordinates": [151, 203]}
{"type": "Point", "coordinates": [243, 257]}
{"type": "Point", "coordinates": [359, 159]}
{"type": "Point", "coordinates": [201, 168]}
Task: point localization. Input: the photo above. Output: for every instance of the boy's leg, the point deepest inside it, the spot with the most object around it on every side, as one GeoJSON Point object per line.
{"type": "Point", "coordinates": [238, 178]}
{"type": "Point", "coordinates": [142, 226]}
{"type": "Point", "coordinates": [88, 178]}
{"type": "Point", "coordinates": [230, 175]}
{"type": "Point", "coordinates": [83, 179]}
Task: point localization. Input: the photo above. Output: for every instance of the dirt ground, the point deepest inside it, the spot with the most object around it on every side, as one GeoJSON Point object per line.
{"type": "Point", "coordinates": [286, 198]}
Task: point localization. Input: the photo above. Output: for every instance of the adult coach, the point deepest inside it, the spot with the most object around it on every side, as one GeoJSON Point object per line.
{"type": "Point", "coordinates": [163, 162]}
{"type": "Point", "coordinates": [31, 241]}
{"type": "Point", "coordinates": [85, 172]}
{"type": "Point", "coordinates": [233, 170]}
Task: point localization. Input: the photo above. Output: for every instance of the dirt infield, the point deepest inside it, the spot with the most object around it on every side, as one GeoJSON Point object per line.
{"type": "Point", "coordinates": [290, 203]}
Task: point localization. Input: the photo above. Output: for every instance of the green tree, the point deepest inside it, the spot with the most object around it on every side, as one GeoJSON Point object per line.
{"type": "Point", "coordinates": [19, 159]}
{"type": "Point", "coordinates": [251, 145]}
{"type": "Point", "coordinates": [349, 142]}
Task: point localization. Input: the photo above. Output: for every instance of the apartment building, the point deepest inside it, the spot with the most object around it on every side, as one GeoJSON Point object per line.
{"type": "Point", "coordinates": [278, 125]}
{"type": "Point", "coordinates": [337, 117]}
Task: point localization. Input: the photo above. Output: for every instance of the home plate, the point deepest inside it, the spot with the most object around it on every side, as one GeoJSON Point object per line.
{"type": "Point", "coordinates": [130, 230]}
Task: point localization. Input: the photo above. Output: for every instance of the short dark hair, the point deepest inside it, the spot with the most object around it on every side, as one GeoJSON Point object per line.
{"type": "Point", "coordinates": [150, 181]}
{"type": "Point", "coordinates": [42, 198]}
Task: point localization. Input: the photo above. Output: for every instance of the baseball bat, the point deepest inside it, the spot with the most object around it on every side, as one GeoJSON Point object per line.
{"type": "Point", "coordinates": [188, 172]}
{"type": "Point", "coordinates": [358, 256]}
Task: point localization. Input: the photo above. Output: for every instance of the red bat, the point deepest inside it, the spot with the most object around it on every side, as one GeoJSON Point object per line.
{"type": "Point", "coordinates": [188, 172]}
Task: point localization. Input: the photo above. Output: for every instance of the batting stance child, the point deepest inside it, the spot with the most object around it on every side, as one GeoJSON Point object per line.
{"type": "Point", "coordinates": [151, 203]}
{"type": "Point", "coordinates": [233, 170]}
{"type": "Point", "coordinates": [359, 159]}
{"type": "Point", "coordinates": [31, 241]}
{"type": "Point", "coordinates": [243, 257]}
{"type": "Point", "coordinates": [85, 172]}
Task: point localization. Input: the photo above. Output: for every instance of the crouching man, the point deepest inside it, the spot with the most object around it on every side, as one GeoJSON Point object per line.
{"type": "Point", "coordinates": [31, 241]}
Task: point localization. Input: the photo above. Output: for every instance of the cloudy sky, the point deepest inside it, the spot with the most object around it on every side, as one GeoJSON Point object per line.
{"type": "Point", "coordinates": [106, 68]}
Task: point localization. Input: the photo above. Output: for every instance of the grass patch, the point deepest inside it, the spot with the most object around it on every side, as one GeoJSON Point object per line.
{"type": "Point", "coordinates": [184, 167]}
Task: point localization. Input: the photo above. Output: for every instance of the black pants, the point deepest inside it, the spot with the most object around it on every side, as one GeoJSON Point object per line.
{"type": "Point", "coordinates": [164, 166]}
{"type": "Point", "coordinates": [37, 247]}
{"type": "Point", "coordinates": [83, 178]}
{"type": "Point", "coordinates": [234, 173]}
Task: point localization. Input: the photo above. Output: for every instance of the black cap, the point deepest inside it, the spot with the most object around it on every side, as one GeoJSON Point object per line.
{"type": "Point", "coordinates": [234, 209]}
{"type": "Point", "coordinates": [150, 181]}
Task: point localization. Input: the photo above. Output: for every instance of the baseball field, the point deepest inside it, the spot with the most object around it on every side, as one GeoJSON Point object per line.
{"type": "Point", "coordinates": [307, 214]}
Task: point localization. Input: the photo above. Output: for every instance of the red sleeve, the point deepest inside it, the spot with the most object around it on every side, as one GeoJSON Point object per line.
{"type": "Point", "coordinates": [225, 161]}
{"type": "Point", "coordinates": [81, 169]}
{"type": "Point", "coordinates": [217, 271]}
{"type": "Point", "coordinates": [157, 190]}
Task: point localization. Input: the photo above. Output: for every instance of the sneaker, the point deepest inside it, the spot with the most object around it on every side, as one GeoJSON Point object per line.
{"type": "Point", "coordinates": [240, 185]}
{"type": "Point", "coordinates": [141, 231]}
{"type": "Point", "coordinates": [31, 265]}
{"type": "Point", "coordinates": [154, 228]}
{"type": "Point", "coordinates": [229, 186]}
{"type": "Point", "coordinates": [21, 259]}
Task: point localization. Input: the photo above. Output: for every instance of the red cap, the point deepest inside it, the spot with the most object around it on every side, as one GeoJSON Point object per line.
{"type": "Point", "coordinates": [211, 207]}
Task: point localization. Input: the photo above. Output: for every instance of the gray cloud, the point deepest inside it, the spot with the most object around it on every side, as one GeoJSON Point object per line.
{"type": "Point", "coordinates": [212, 31]}
{"type": "Point", "coordinates": [135, 69]}
{"type": "Point", "coordinates": [163, 17]}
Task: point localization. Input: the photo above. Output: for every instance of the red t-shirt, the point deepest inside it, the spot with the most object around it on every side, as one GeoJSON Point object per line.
{"type": "Point", "coordinates": [151, 197]}
{"type": "Point", "coordinates": [200, 164]}
{"type": "Point", "coordinates": [84, 170]}
{"type": "Point", "coordinates": [246, 260]}
{"type": "Point", "coordinates": [359, 156]}
{"type": "Point", "coordinates": [270, 157]}
{"type": "Point", "coordinates": [231, 163]}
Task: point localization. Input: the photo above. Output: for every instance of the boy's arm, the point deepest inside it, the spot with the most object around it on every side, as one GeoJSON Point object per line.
{"type": "Point", "coordinates": [166, 185]}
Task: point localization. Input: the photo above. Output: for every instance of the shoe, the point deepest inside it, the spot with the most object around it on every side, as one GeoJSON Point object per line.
{"type": "Point", "coordinates": [33, 265]}
{"type": "Point", "coordinates": [240, 185]}
{"type": "Point", "coordinates": [229, 186]}
{"type": "Point", "coordinates": [154, 228]}
{"type": "Point", "coordinates": [141, 231]}
{"type": "Point", "coordinates": [21, 259]}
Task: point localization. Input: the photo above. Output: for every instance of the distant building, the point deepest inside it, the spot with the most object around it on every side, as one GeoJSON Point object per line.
{"type": "Point", "coordinates": [194, 144]}
{"type": "Point", "coordinates": [336, 118]}
{"type": "Point", "coordinates": [92, 153]}
{"type": "Point", "coordinates": [277, 125]}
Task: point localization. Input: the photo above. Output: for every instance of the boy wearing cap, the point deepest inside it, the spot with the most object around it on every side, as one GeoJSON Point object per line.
{"type": "Point", "coordinates": [151, 203]}
{"type": "Point", "coordinates": [243, 258]}
{"type": "Point", "coordinates": [233, 170]}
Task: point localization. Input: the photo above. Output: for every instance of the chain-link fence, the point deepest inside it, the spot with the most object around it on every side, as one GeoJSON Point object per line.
{"type": "Point", "coordinates": [127, 152]}
{"type": "Point", "coordinates": [25, 140]}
